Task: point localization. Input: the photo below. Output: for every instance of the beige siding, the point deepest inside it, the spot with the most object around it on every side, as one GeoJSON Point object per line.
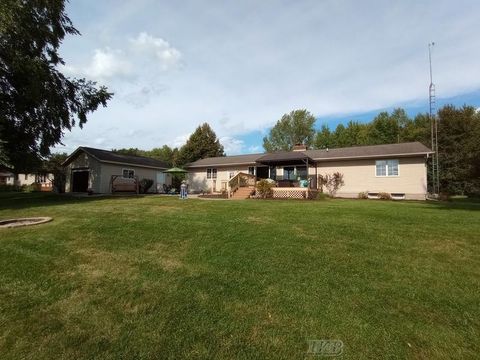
{"type": "Point", "coordinates": [197, 179]}
{"type": "Point", "coordinates": [360, 175]}
{"type": "Point", "coordinates": [142, 173]}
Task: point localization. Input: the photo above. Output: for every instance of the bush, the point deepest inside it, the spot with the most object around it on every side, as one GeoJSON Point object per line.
{"type": "Point", "coordinates": [145, 185]}
{"type": "Point", "coordinates": [23, 188]}
{"type": "Point", "coordinates": [363, 195]}
{"type": "Point", "coordinates": [333, 182]}
{"type": "Point", "coordinates": [8, 188]}
{"type": "Point", "coordinates": [264, 188]}
{"type": "Point", "coordinates": [384, 196]}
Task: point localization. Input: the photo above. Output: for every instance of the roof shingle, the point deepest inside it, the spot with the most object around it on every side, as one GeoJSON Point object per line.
{"type": "Point", "coordinates": [111, 157]}
{"type": "Point", "coordinates": [354, 152]}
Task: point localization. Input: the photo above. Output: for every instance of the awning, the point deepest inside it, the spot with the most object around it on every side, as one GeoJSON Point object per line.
{"type": "Point", "coordinates": [284, 157]}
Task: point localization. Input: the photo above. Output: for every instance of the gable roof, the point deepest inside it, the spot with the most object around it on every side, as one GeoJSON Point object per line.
{"type": "Point", "coordinates": [106, 156]}
{"type": "Point", "coordinates": [4, 171]}
{"type": "Point", "coordinates": [354, 152]}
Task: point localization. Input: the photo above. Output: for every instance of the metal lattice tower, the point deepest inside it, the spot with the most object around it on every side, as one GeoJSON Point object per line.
{"type": "Point", "coordinates": [433, 127]}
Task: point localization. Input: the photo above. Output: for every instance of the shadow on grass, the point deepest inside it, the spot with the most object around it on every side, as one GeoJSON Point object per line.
{"type": "Point", "coordinates": [19, 200]}
{"type": "Point", "coordinates": [457, 204]}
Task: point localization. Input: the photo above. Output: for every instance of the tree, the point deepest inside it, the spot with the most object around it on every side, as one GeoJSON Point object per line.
{"type": "Point", "coordinates": [384, 129]}
{"type": "Point", "coordinates": [166, 154]}
{"type": "Point", "coordinates": [324, 138]}
{"type": "Point", "coordinates": [37, 102]}
{"type": "Point", "coordinates": [53, 165]}
{"type": "Point", "coordinates": [201, 144]}
{"type": "Point", "coordinates": [291, 129]}
{"type": "Point", "coordinates": [459, 150]}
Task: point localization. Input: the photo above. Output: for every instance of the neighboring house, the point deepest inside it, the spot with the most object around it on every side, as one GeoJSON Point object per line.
{"type": "Point", "coordinates": [398, 169]}
{"type": "Point", "coordinates": [43, 180]}
{"type": "Point", "coordinates": [7, 177]}
{"type": "Point", "coordinates": [96, 170]}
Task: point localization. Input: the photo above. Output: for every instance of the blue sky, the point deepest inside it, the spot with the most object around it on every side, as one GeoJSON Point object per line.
{"type": "Point", "coordinates": [240, 65]}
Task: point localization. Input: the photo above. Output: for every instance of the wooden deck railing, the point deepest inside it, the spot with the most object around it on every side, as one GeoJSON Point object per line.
{"type": "Point", "coordinates": [240, 180]}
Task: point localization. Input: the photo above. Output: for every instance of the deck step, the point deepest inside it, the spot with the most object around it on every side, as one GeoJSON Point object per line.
{"type": "Point", "coordinates": [242, 193]}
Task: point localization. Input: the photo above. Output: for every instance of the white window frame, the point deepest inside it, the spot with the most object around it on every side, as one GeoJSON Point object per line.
{"type": "Point", "coordinates": [387, 167]}
{"type": "Point", "coordinates": [211, 173]}
{"type": "Point", "coordinates": [254, 170]}
{"type": "Point", "coordinates": [128, 177]}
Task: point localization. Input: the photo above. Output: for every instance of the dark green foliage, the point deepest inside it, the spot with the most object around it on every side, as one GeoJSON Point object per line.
{"type": "Point", "coordinates": [459, 141]}
{"type": "Point", "coordinates": [294, 128]}
{"type": "Point", "coordinates": [165, 153]}
{"type": "Point", "coordinates": [37, 102]}
{"type": "Point", "coordinates": [459, 150]}
{"type": "Point", "coordinates": [201, 144]}
{"type": "Point", "coordinates": [145, 185]}
{"type": "Point", "coordinates": [53, 165]}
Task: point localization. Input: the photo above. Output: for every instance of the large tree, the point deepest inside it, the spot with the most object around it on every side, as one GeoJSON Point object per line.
{"type": "Point", "coordinates": [202, 143]}
{"type": "Point", "coordinates": [459, 150]}
{"type": "Point", "coordinates": [294, 128]}
{"type": "Point", "coordinates": [37, 102]}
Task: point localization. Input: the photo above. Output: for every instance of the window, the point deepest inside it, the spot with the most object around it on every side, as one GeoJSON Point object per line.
{"type": "Point", "coordinates": [26, 176]}
{"type": "Point", "coordinates": [288, 173]}
{"type": "Point", "coordinates": [302, 172]}
{"type": "Point", "coordinates": [231, 174]}
{"type": "Point", "coordinates": [211, 173]}
{"type": "Point", "coordinates": [251, 170]}
{"type": "Point", "coordinates": [40, 178]}
{"type": "Point", "coordinates": [128, 173]}
{"type": "Point", "coordinates": [273, 173]}
{"type": "Point", "coordinates": [386, 167]}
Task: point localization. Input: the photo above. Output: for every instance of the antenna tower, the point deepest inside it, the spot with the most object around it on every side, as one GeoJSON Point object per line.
{"type": "Point", "coordinates": [433, 127]}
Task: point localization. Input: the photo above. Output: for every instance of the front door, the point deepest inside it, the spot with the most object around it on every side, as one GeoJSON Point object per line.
{"type": "Point", "coordinates": [80, 181]}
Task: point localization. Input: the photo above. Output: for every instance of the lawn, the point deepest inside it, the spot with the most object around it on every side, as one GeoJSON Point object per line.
{"type": "Point", "coordinates": [157, 277]}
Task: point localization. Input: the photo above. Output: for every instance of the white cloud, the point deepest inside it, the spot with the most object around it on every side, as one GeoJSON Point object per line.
{"type": "Point", "coordinates": [232, 145]}
{"type": "Point", "coordinates": [251, 62]}
{"type": "Point", "coordinates": [166, 56]}
{"type": "Point", "coordinates": [255, 149]}
{"type": "Point", "coordinates": [107, 63]}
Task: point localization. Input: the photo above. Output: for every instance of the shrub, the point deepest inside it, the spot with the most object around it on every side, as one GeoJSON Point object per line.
{"type": "Point", "coordinates": [384, 196]}
{"type": "Point", "coordinates": [145, 185]}
{"type": "Point", "coordinates": [363, 195]}
{"type": "Point", "coordinates": [332, 182]}
{"type": "Point", "coordinates": [264, 188]}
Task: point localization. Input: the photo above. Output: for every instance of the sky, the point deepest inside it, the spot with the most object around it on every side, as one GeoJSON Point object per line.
{"type": "Point", "coordinates": [241, 65]}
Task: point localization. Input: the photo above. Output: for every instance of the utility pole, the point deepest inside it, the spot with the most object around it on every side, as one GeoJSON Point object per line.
{"type": "Point", "coordinates": [433, 127]}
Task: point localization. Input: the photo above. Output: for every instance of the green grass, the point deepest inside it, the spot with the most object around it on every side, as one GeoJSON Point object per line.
{"type": "Point", "coordinates": [157, 277]}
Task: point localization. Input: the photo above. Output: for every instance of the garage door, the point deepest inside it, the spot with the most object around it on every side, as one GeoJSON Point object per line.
{"type": "Point", "coordinates": [80, 181]}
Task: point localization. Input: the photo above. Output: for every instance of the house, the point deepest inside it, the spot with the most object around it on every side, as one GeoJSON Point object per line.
{"type": "Point", "coordinates": [102, 171]}
{"type": "Point", "coordinates": [43, 180]}
{"type": "Point", "coordinates": [7, 177]}
{"type": "Point", "coordinates": [397, 169]}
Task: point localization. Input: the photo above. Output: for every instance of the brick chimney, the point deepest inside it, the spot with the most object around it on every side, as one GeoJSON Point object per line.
{"type": "Point", "coordinates": [300, 147]}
